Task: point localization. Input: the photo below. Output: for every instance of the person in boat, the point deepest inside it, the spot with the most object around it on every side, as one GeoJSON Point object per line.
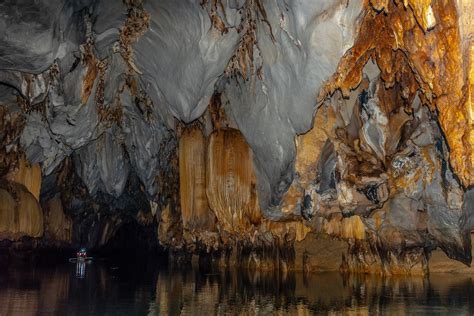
{"type": "Point", "coordinates": [81, 254]}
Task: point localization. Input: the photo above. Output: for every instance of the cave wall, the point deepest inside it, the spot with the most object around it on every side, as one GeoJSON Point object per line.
{"type": "Point", "coordinates": [241, 125]}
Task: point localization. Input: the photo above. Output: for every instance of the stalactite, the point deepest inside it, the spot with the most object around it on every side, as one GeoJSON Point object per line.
{"type": "Point", "coordinates": [20, 211]}
{"type": "Point", "coordinates": [90, 62]}
{"type": "Point", "coordinates": [353, 227]}
{"type": "Point", "coordinates": [195, 210]}
{"type": "Point", "coordinates": [11, 125]}
{"type": "Point", "coordinates": [296, 229]}
{"type": "Point", "coordinates": [28, 175]}
{"type": "Point", "coordinates": [231, 181]}
{"type": "Point", "coordinates": [135, 26]}
{"type": "Point", "coordinates": [7, 214]}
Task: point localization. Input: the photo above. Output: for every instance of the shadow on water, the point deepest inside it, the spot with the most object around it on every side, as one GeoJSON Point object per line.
{"type": "Point", "coordinates": [145, 288]}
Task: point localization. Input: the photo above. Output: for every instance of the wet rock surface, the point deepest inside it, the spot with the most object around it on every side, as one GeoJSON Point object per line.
{"type": "Point", "coordinates": [240, 128]}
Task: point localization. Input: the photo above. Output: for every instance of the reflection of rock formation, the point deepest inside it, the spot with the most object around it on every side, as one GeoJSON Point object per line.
{"type": "Point", "coordinates": [112, 102]}
{"type": "Point", "coordinates": [45, 290]}
{"type": "Point", "coordinates": [250, 292]}
{"type": "Point", "coordinates": [35, 289]}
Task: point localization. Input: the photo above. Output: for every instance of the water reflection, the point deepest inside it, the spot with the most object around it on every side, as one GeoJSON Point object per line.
{"type": "Point", "coordinates": [80, 269]}
{"type": "Point", "coordinates": [144, 289]}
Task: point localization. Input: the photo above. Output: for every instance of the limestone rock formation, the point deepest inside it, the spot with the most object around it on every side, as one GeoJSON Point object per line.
{"type": "Point", "coordinates": [195, 210]}
{"type": "Point", "coordinates": [240, 127]}
{"type": "Point", "coordinates": [29, 176]}
{"type": "Point", "coordinates": [20, 212]}
{"type": "Point", "coordinates": [231, 181]}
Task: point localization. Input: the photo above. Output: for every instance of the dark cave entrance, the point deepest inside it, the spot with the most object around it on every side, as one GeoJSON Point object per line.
{"type": "Point", "coordinates": [132, 240]}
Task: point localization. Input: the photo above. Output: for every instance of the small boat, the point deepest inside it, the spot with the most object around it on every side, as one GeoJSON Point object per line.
{"type": "Point", "coordinates": [81, 256]}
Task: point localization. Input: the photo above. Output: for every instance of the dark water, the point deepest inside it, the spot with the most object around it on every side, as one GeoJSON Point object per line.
{"type": "Point", "coordinates": [152, 289]}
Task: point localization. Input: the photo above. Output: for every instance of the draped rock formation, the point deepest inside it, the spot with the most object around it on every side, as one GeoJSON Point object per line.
{"type": "Point", "coordinates": [20, 212]}
{"type": "Point", "coordinates": [192, 179]}
{"type": "Point", "coordinates": [29, 176]}
{"type": "Point", "coordinates": [231, 181]}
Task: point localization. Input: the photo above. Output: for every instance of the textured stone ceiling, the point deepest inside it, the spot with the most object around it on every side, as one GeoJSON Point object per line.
{"type": "Point", "coordinates": [85, 65]}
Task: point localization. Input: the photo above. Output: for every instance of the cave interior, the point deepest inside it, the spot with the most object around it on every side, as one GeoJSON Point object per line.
{"type": "Point", "coordinates": [315, 135]}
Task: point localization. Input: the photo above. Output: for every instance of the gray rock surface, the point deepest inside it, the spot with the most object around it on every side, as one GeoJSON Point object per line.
{"type": "Point", "coordinates": [181, 58]}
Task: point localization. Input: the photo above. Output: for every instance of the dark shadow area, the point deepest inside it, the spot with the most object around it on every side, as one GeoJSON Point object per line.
{"type": "Point", "coordinates": [133, 240]}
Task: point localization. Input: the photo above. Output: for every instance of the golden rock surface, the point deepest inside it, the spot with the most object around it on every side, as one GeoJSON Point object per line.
{"type": "Point", "coordinates": [20, 212]}
{"type": "Point", "coordinates": [195, 210]}
{"type": "Point", "coordinates": [308, 150]}
{"type": "Point", "coordinates": [231, 182]}
{"type": "Point", "coordinates": [423, 37]}
{"type": "Point", "coordinates": [28, 175]}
